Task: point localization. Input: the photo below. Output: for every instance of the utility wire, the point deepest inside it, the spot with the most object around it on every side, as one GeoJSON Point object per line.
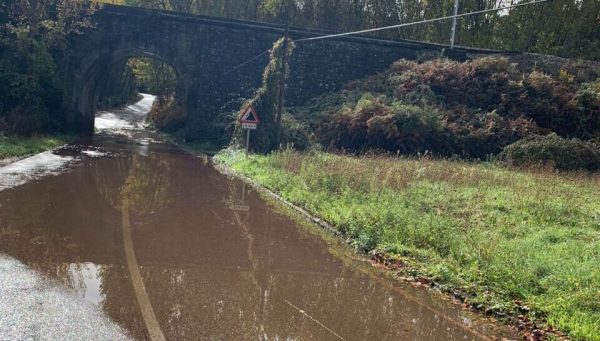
{"type": "Point", "coordinates": [388, 28]}
{"type": "Point", "coordinates": [247, 62]}
{"type": "Point", "coordinates": [419, 22]}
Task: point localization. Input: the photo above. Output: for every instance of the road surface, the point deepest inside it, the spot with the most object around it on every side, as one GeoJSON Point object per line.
{"type": "Point", "coordinates": [126, 236]}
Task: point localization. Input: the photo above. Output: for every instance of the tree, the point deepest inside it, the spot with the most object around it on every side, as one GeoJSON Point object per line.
{"type": "Point", "coordinates": [32, 44]}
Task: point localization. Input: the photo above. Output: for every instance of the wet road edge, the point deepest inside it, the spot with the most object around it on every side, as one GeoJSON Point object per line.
{"type": "Point", "coordinates": [374, 261]}
{"type": "Point", "coordinates": [11, 160]}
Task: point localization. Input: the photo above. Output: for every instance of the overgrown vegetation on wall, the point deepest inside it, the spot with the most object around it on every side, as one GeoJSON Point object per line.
{"type": "Point", "coordinates": [446, 108]}
{"type": "Point", "coordinates": [265, 102]}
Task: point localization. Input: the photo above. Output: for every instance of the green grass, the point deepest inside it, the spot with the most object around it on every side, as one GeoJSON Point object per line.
{"type": "Point", "coordinates": [23, 146]}
{"type": "Point", "coordinates": [505, 238]}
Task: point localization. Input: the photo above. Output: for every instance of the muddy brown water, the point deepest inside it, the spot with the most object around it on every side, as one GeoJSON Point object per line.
{"type": "Point", "coordinates": [169, 248]}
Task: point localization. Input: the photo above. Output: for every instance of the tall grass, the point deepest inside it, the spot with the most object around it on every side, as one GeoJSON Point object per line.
{"type": "Point", "coordinates": [22, 146]}
{"type": "Point", "coordinates": [507, 239]}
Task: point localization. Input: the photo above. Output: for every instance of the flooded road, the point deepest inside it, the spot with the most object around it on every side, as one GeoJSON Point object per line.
{"type": "Point", "coordinates": [165, 247]}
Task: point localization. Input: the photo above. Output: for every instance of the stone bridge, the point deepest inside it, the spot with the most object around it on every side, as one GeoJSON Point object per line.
{"type": "Point", "coordinates": [203, 50]}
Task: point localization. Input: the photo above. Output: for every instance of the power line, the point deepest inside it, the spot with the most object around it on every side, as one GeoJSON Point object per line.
{"type": "Point", "coordinates": [418, 22]}
{"type": "Point", "coordinates": [247, 62]}
{"type": "Point", "coordinates": [390, 27]}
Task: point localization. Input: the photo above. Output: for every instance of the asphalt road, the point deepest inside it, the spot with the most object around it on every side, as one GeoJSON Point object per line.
{"type": "Point", "coordinates": [32, 308]}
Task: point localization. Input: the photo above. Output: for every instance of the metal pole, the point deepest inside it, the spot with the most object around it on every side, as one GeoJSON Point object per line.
{"type": "Point", "coordinates": [454, 24]}
{"type": "Point", "coordinates": [247, 141]}
{"type": "Point", "coordinates": [283, 75]}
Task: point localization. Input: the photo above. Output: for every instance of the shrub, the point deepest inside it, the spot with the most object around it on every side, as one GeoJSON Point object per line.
{"type": "Point", "coordinates": [587, 101]}
{"type": "Point", "coordinates": [479, 84]}
{"type": "Point", "coordinates": [32, 92]}
{"type": "Point", "coordinates": [472, 109]}
{"type": "Point", "coordinates": [166, 114]}
{"type": "Point", "coordinates": [553, 150]}
{"type": "Point", "coordinates": [376, 123]}
{"type": "Point", "coordinates": [294, 133]}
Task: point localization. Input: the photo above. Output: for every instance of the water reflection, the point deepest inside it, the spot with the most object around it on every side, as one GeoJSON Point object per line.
{"type": "Point", "coordinates": [85, 279]}
{"type": "Point", "coordinates": [168, 233]}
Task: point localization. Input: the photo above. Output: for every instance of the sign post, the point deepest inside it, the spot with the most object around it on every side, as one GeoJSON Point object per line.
{"type": "Point", "coordinates": [247, 141]}
{"type": "Point", "coordinates": [249, 120]}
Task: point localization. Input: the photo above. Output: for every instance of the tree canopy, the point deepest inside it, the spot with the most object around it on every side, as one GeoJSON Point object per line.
{"type": "Point", "coordinates": [32, 46]}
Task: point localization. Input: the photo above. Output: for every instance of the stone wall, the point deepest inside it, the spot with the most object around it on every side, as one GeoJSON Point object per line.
{"type": "Point", "coordinates": [204, 51]}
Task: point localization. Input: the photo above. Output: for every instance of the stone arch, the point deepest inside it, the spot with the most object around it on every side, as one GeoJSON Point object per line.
{"type": "Point", "coordinates": [206, 52]}
{"type": "Point", "coordinates": [94, 67]}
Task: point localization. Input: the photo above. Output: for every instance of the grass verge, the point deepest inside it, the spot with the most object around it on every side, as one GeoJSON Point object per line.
{"type": "Point", "coordinates": [11, 146]}
{"type": "Point", "coordinates": [510, 242]}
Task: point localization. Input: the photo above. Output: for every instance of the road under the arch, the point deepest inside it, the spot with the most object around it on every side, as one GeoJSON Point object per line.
{"type": "Point", "coordinates": [150, 242]}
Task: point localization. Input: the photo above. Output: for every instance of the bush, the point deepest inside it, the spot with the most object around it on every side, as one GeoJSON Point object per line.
{"type": "Point", "coordinates": [294, 133]}
{"type": "Point", "coordinates": [553, 150]}
{"type": "Point", "coordinates": [472, 109]}
{"type": "Point", "coordinates": [479, 84]}
{"type": "Point", "coordinates": [376, 123]}
{"type": "Point", "coordinates": [587, 102]}
{"type": "Point", "coordinates": [166, 114]}
{"type": "Point", "coordinates": [32, 92]}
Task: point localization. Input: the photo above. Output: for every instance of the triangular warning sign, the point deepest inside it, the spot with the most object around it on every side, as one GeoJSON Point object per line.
{"type": "Point", "coordinates": [249, 116]}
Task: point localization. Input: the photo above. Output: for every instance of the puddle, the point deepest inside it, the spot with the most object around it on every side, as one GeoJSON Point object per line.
{"type": "Point", "coordinates": [168, 247]}
{"type": "Point", "coordinates": [33, 309]}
